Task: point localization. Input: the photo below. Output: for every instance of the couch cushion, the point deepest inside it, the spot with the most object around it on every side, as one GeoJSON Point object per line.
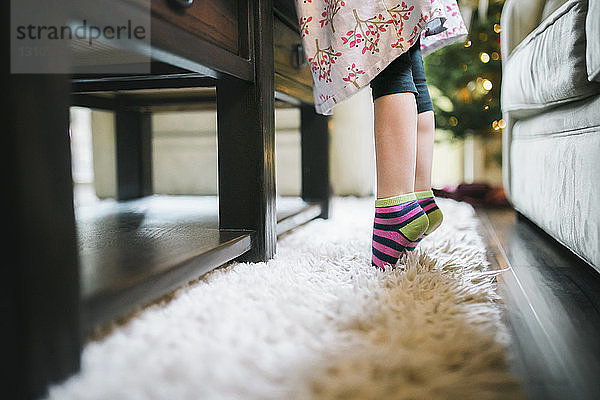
{"type": "Point", "coordinates": [548, 67]}
{"type": "Point", "coordinates": [550, 7]}
{"type": "Point", "coordinates": [592, 30]}
{"type": "Point", "coordinates": [518, 19]}
{"type": "Point", "coordinates": [554, 177]}
{"type": "Point", "coordinates": [570, 119]}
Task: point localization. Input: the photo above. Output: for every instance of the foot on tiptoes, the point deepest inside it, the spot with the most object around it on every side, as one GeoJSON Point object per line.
{"type": "Point", "coordinates": [399, 222]}
{"type": "Point", "coordinates": [434, 214]}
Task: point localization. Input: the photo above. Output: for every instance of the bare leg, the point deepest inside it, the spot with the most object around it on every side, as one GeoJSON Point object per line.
{"type": "Point", "coordinates": [425, 131]}
{"type": "Point", "coordinates": [395, 143]}
{"type": "Point", "coordinates": [396, 154]}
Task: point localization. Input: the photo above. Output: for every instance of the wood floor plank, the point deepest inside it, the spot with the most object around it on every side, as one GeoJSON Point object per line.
{"type": "Point", "coordinates": [552, 308]}
{"type": "Point", "coordinates": [134, 252]}
{"type": "Point", "coordinates": [125, 269]}
{"type": "Point", "coordinates": [299, 217]}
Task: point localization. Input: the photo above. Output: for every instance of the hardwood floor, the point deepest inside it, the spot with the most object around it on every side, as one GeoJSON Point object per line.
{"type": "Point", "coordinates": [552, 301]}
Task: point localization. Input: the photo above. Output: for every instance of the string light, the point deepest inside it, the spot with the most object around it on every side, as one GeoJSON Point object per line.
{"type": "Point", "coordinates": [478, 91]}
{"type": "Point", "coordinates": [497, 125]}
{"type": "Point", "coordinates": [464, 96]}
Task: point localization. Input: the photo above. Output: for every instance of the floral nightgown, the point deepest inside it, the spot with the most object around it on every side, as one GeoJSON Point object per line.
{"type": "Point", "coordinates": [348, 42]}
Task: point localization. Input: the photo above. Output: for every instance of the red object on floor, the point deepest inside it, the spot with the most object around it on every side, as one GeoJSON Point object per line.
{"type": "Point", "coordinates": [476, 194]}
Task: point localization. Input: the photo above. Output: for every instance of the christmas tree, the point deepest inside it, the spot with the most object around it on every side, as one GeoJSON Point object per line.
{"type": "Point", "coordinates": [464, 78]}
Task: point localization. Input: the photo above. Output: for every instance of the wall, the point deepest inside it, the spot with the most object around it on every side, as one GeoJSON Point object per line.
{"type": "Point", "coordinates": [184, 152]}
{"type": "Point", "coordinates": [352, 149]}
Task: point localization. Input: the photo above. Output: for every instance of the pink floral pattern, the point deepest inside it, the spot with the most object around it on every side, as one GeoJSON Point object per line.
{"type": "Point", "coordinates": [304, 21]}
{"type": "Point", "coordinates": [348, 42]}
{"type": "Point", "coordinates": [332, 7]}
{"type": "Point", "coordinates": [353, 75]}
{"type": "Point", "coordinates": [367, 32]}
{"type": "Point", "coordinates": [456, 29]}
{"type": "Point", "coordinates": [400, 13]}
{"type": "Point", "coordinates": [322, 61]}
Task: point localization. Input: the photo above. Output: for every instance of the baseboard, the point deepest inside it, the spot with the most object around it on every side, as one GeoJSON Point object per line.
{"type": "Point", "coordinates": [563, 249]}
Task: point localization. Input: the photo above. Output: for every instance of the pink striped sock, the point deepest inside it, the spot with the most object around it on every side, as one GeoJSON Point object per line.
{"type": "Point", "coordinates": [399, 222]}
{"type": "Point", "coordinates": [434, 214]}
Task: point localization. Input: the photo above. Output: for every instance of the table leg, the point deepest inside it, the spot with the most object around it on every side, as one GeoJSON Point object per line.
{"type": "Point", "coordinates": [246, 142]}
{"type": "Point", "coordinates": [314, 132]}
{"type": "Point", "coordinates": [40, 283]}
{"type": "Point", "coordinates": [134, 153]}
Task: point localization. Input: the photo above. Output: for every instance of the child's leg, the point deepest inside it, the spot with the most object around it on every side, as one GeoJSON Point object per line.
{"type": "Point", "coordinates": [399, 220]}
{"type": "Point", "coordinates": [425, 132]}
{"type": "Point", "coordinates": [425, 121]}
{"type": "Point", "coordinates": [395, 143]}
{"type": "Point", "coordinates": [395, 126]}
{"type": "Point", "coordinates": [425, 140]}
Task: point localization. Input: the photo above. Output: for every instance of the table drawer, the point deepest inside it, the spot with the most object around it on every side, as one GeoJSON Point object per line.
{"type": "Point", "coordinates": [215, 21]}
{"type": "Point", "coordinates": [289, 55]}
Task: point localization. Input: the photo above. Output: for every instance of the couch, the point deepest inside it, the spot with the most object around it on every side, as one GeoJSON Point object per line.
{"type": "Point", "coordinates": [550, 101]}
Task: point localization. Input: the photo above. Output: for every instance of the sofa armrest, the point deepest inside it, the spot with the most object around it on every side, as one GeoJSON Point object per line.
{"type": "Point", "coordinates": [592, 32]}
{"type": "Point", "coordinates": [518, 19]}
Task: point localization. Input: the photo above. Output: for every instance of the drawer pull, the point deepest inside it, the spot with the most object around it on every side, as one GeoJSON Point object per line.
{"type": "Point", "coordinates": [182, 3]}
{"type": "Point", "coordinates": [300, 59]}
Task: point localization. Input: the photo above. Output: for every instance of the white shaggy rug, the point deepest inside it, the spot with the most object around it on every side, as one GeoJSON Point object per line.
{"type": "Point", "coordinates": [318, 322]}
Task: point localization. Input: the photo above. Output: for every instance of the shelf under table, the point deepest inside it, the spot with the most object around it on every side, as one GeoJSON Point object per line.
{"type": "Point", "coordinates": [134, 252]}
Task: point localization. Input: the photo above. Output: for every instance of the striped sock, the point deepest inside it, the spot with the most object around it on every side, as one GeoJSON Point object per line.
{"type": "Point", "coordinates": [434, 214]}
{"type": "Point", "coordinates": [399, 222]}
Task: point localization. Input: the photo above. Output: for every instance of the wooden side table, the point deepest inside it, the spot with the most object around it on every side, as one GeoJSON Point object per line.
{"type": "Point", "coordinates": [221, 52]}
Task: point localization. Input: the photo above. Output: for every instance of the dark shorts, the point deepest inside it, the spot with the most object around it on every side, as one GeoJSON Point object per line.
{"type": "Point", "coordinates": [404, 74]}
